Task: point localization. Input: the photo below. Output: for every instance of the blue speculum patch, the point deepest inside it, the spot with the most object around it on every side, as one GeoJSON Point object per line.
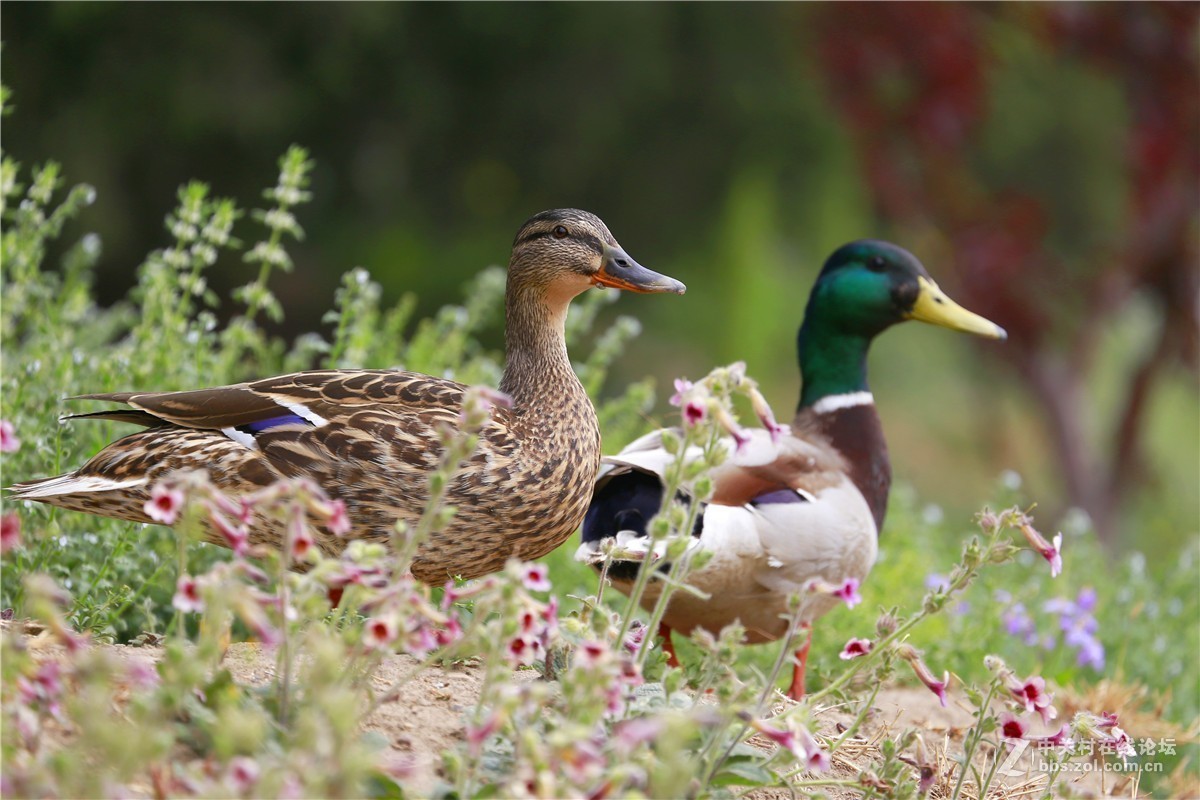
{"type": "Point", "coordinates": [778, 496]}
{"type": "Point", "coordinates": [274, 422]}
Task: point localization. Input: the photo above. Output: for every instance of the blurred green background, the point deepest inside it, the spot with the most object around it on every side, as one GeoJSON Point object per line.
{"type": "Point", "coordinates": [1042, 160]}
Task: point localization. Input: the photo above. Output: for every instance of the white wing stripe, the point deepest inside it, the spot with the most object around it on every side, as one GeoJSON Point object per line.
{"type": "Point", "coordinates": [303, 412]}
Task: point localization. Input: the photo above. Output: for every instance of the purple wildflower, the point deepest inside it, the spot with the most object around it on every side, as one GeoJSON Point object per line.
{"type": "Point", "coordinates": [937, 582]}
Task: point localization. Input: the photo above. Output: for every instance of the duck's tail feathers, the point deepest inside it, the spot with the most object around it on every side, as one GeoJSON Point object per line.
{"type": "Point", "coordinates": [70, 484]}
{"type": "Point", "coordinates": [142, 418]}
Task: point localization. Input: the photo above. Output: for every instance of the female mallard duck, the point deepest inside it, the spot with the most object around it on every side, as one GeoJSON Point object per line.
{"type": "Point", "coordinates": [370, 437]}
{"type": "Point", "coordinates": [813, 507]}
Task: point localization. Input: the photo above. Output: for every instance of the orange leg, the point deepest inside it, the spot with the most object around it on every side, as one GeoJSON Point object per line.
{"type": "Point", "coordinates": [335, 597]}
{"type": "Point", "coordinates": [668, 646]}
{"type": "Point", "coordinates": [796, 691]}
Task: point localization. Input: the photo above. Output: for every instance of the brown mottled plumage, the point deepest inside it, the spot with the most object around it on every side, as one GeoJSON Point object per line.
{"type": "Point", "coordinates": [370, 437]}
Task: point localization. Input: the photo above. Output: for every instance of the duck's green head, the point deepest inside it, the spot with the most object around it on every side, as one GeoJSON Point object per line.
{"type": "Point", "coordinates": [868, 285]}
{"type": "Point", "coordinates": [864, 288]}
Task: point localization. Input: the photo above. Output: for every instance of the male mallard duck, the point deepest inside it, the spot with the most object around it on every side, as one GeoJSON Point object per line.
{"type": "Point", "coordinates": [369, 437]}
{"type": "Point", "coordinates": [811, 509]}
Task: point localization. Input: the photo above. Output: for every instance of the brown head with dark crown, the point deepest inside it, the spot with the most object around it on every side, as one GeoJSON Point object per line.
{"type": "Point", "coordinates": [563, 251]}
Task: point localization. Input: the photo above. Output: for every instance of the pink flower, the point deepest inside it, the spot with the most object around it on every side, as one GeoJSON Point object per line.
{"type": "Point", "coordinates": [450, 634]}
{"type": "Point", "coordinates": [682, 387]}
{"type": "Point", "coordinates": [141, 675]}
{"type": "Point", "coordinates": [780, 736]}
{"type": "Point", "coordinates": [243, 774]}
{"type": "Point", "coordinates": [44, 690]}
{"type": "Point", "coordinates": [694, 412]}
{"type": "Point", "coordinates": [1032, 693]}
{"type": "Point", "coordinates": [848, 592]}
{"type": "Point", "coordinates": [10, 532]}
{"type": "Point", "coordinates": [1050, 552]}
{"type": "Point", "coordinates": [524, 650]}
{"type": "Point", "coordinates": [537, 578]}
{"type": "Point", "coordinates": [422, 640]}
{"type": "Point", "coordinates": [188, 597]}
{"type": "Point", "coordinates": [938, 687]}
{"type": "Point", "coordinates": [339, 521]}
{"type": "Point", "coordinates": [479, 733]}
{"type": "Point", "coordinates": [766, 416]}
{"type": "Point", "coordinates": [815, 757]}
{"type": "Point", "coordinates": [1061, 739]}
{"type": "Point", "coordinates": [630, 674]}
{"type": "Point", "coordinates": [1011, 728]}
{"type": "Point", "coordinates": [379, 632]}
{"type": "Point", "coordinates": [549, 616]}
{"type": "Point", "coordinates": [236, 537]}
{"type": "Point", "coordinates": [302, 541]}
{"type": "Point", "coordinates": [802, 745]}
{"type": "Point", "coordinates": [633, 639]}
{"type": "Point", "coordinates": [855, 648]}
{"type": "Point", "coordinates": [9, 443]}
{"type": "Point", "coordinates": [164, 504]}
{"type": "Point", "coordinates": [633, 732]}
{"type": "Point", "coordinates": [1121, 742]}
{"type": "Point", "coordinates": [590, 654]}
{"type": "Point", "coordinates": [490, 398]}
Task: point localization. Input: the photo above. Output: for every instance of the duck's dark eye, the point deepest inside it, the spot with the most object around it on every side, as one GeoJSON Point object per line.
{"type": "Point", "coordinates": [561, 232]}
{"type": "Point", "coordinates": [876, 264]}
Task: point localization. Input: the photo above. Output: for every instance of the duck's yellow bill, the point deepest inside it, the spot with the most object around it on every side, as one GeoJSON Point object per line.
{"type": "Point", "coordinates": [936, 308]}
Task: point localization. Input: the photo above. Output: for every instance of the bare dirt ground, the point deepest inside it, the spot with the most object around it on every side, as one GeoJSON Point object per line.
{"type": "Point", "coordinates": [427, 719]}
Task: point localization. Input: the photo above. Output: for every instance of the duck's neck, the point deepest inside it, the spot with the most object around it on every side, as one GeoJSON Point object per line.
{"type": "Point", "coordinates": [537, 372]}
{"type": "Point", "coordinates": [834, 399]}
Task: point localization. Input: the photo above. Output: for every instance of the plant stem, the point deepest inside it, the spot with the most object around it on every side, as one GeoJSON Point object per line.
{"type": "Point", "coordinates": [974, 739]}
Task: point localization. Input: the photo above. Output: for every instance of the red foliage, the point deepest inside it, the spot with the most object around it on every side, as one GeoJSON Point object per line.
{"type": "Point", "coordinates": [911, 80]}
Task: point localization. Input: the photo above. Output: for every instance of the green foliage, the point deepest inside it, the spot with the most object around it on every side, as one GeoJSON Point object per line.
{"type": "Point", "coordinates": [302, 731]}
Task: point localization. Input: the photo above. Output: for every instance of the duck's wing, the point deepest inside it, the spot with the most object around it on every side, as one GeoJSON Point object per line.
{"type": "Point", "coordinates": [629, 488]}
{"type": "Point", "coordinates": [338, 427]}
{"type": "Point", "coordinates": [315, 398]}
{"type": "Point", "coordinates": [759, 466]}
